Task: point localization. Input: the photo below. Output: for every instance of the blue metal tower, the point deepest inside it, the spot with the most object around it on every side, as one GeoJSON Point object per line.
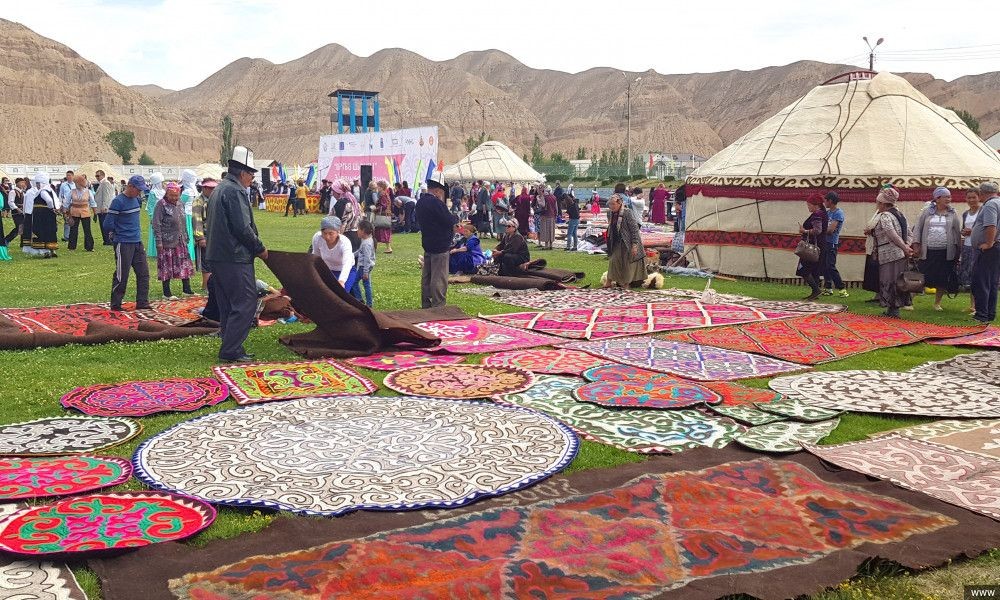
{"type": "Point", "coordinates": [362, 113]}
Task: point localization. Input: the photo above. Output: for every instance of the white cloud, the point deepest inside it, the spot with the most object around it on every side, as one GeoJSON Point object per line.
{"type": "Point", "coordinates": [178, 43]}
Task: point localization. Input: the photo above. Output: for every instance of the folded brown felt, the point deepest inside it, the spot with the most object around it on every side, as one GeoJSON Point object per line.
{"type": "Point", "coordinates": [936, 532]}
{"type": "Point", "coordinates": [517, 283]}
{"type": "Point", "coordinates": [12, 338]}
{"type": "Point", "coordinates": [345, 327]}
{"type": "Point", "coordinates": [422, 315]}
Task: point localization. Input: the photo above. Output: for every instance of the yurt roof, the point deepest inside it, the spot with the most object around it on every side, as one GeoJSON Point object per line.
{"type": "Point", "coordinates": [91, 168]}
{"type": "Point", "coordinates": [857, 131]}
{"type": "Point", "coordinates": [492, 161]}
{"type": "Point", "coordinates": [213, 170]}
{"type": "Point", "coordinates": [4, 174]}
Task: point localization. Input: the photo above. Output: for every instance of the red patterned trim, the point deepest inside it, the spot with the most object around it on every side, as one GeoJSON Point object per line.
{"type": "Point", "coordinates": [775, 241]}
{"type": "Point", "coordinates": [800, 194]}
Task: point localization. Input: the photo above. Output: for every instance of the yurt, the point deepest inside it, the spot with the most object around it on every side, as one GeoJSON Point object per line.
{"type": "Point", "coordinates": [492, 161]}
{"type": "Point", "coordinates": [91, 168]}
{"type": "Point", "coordinates": [213, 170]}
{"type": "Point", "coordinates": [851, 135]}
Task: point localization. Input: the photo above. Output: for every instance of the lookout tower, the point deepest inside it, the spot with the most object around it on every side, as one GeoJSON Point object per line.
{"type": "Point", "coordinates": [361, 114]}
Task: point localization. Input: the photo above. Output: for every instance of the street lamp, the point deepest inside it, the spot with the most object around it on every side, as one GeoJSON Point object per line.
{"type": "Point", "coordinates": [482, 134]}
{"type": "Point", "coordinates": [628, 124]}
{"type": "Point", "coordinates": [871, 51]}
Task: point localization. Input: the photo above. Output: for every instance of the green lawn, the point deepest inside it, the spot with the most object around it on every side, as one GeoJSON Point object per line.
{"type": "Point", "coordinates": [35, 380]}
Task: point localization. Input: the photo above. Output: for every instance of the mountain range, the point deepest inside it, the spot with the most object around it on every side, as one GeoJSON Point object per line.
{"type": "Point", "coordinates": [56, 106]}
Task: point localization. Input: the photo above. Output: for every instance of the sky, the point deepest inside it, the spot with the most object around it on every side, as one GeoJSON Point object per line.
{"type": "Point", "coordinates": [178, 43]}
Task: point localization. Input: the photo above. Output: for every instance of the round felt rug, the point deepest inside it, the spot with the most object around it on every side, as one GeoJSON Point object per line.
{"type": "Point", "coordinates": [99, 522]}
{"type": "Point", "coordinates": [316, 457]}
{"type": "Point", "coordinates": [893, 392]}
{"type": "Point", "coordinates": [59, 476]}
{"type": "Point", "coordinates": [557, 361]}
{"type": "Point", "coordinates": [616, 372]}
{"type": "Point", "coordinates": [392, 361]}
{"type": "Point", "coordinates": [54, 436]}
{"type": "Point", "coordinates": [459, 382]}
{"type": "Point", "coordinates": [660, 392]}
{"type": "Point", "coordinates": [141, 398]}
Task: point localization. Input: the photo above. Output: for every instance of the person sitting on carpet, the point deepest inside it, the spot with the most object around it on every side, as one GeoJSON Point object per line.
{"type": "Point", "coordinates": [512, 252]}
{"type": "Point", "coordinates": [467, 255]}
{"type": "Point", "coordinates": [336, 251]}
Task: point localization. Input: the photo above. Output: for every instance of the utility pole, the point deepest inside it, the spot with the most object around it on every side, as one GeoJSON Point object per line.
{"type": "Point", "coordinates": [482, 133]}
{"type": "Point", "coordinates": [628, 125]}
{"type": "Point", "coordinates": [871, 51]}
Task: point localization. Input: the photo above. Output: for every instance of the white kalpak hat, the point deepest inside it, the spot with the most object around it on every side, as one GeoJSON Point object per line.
{"type": "Point", "coordinates": [243, 159]}
{"type": "Point", "coordinates": [40, 177]}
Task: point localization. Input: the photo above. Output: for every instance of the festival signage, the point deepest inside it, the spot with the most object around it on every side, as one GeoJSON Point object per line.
{"type": "Point", "coordinates": [397, 155]}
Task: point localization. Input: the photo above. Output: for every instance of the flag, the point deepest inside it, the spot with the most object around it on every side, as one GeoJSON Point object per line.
{"type": "Point", "coordinates": [416, 174]}
{"type": "Point", "coordinates": [430, 169]}
{"type": "Point", "coordinates": [388, 170]}
{"type": "Point", "coordinates": [281, 172]}
{"type": "Point", "coordinates": [275, 175]}
{"type": "Point", "coordinates": [311, 175]}
{"type": "Point", "coordinates": [396, 173]}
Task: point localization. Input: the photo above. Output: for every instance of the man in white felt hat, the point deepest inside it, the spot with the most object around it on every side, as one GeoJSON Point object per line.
{"type": "Point", "coordinates": [437, 225]}
{"type": "Point", "coordinates": [232, 242]}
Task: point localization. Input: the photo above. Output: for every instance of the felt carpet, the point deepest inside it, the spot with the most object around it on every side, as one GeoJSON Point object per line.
{"type": "Point", "coordinates": [797, 409]}
{"type": "Point", "coordinates": [98, 522]}
{"type": "Point", "coordinates": [893, 392]}
{"type": "Point", "coordinates": [943, 472]}
{"type": "Point", "coordinates": [32, 580]}
{"type": "Point", "coordinates": [316, 457]}
{"type": "Point", "coordinates": [70, 319]}
{"type": "Point", "coordinates": [814, 339]}
{"type": "Point", "coordinates": [576, 298]}
{"type": "Point", "coordinates": [517, 283]}
{"type": "Point", "coordinates": [978, 436]}
{"type": "Point", "coordinates": [141, 398]}
{"type": "Point", "coordinates": [799, 306]}
{"type": "Point", "coordinates": [266, 382]}
{"type": "Point", "coordinates": [676, 529]}
{"type": "Point", "coordinates": [345, 327]}
{"type": "Point", "coordinates": [660, 391]}
{"type": "Point", "coordinates": [471, 336]}
{"type": "Point", "coordinates": [635, 319]}
{"type": "Point", "coordinates": [692, 361]}
{"type": "Point", "coordinates": [459, 382]}
{"type": "Point", "coordinates": [699, 294]}
{"type": "Point", "coordinates": [402, 359]}
{"type": "Point", "coordinates": [746, 413]}
{"type": "Point", "coordinates": [978, 366]}
{"type": "Point", "coordinates": [632, 429]}
{"type": "Point", "coordinates": [22, 477]}
{"type": "Point", "coordinates": [989, 338]}
{"type": "Point", "coordinates": [53, 436]}
{"type": "Point", "coordinates": [785, 436]}
{"type": "Point", "coordinates": [553, 361]}
{"type": "Point", "coordinates": [145, 573]}
{"type": "Point", "coordinates": [732, 394]}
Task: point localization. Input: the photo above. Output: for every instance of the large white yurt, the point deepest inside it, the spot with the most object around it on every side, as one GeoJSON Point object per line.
{"type": "Point", "coordinates": [492, 161]}
{"type": "Point", "coordinates": [851, 135]}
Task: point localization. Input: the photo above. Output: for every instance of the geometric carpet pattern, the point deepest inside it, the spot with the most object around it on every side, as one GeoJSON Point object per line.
{"type": "Point", "coordinates": [471, 336]}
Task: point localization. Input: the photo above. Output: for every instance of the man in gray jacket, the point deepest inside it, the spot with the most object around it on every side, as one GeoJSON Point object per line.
{"type": "Point", "coordinates": [232, 243]}
{"type": "Point", "coordinates": [103, 195]}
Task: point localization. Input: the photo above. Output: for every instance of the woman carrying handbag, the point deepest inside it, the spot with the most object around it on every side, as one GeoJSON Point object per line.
{"type": "Point", "coordinates": [810, 249]}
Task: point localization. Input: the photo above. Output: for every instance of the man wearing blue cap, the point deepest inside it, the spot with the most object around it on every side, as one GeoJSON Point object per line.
{"type": "Point", "coordinates": [122, 226]}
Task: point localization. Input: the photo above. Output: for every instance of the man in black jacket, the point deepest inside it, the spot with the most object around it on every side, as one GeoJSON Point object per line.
{"type": "Point", "coordinates": [437, 226]}
{"type": "Point", "coordinates": [232, 243]}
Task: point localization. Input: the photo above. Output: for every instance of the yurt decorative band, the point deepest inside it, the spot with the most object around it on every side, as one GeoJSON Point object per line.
{"type": "Point", "coordinates": [920, 192]}
{"type": "Point", "coordinates": [770, 240]}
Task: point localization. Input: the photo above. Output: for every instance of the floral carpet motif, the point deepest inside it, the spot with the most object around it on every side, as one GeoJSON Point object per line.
{"type": "Point", "coordinates": [71, 319]}
{"type": "Point", "coordinates": [472, 336]}
{"type": "Point", "coordinates": [660, 391]}
{"type": "Point", "coordinates": [978, 366]}
{"type": "Point", "coordinates": [141, 398]}
{"type": "Point", "coordinates": [632, 429]}
{"type": "Point", "coordinates": [653, 534]}
{"type": "Point", "coordinates": [692, 361]}
{"type": "Point", "coordinates": [893, 392]}
{"type": "Point", "coordinates": [785, 436]}
{"type": "Point", "coordinates": [265, 382]}
{"type": "Point", "coordinates": [316, 457]}
{"type": "Point", "coordinates": [979, 436]}
{"type": "Point", "coordinates": [459, 382]}
{"type": "Point", "coordinates": [59, 476]}
{"type": "Point", "coordinates": [403, 359]}
{"type": "Point", "coordinates": [797, 409]}
{"type": "Point", "coordinates": [636, 319]}
{"type": "Point", "coordinates": [552, 361]}
{"type": "Point", "coordinates": [746, 413]}
{"type": "Point", "coordinates": [814, 339]}
{"type": "Point", "coordinates": [103, 522]}
{"type": "Point", "coordinates": [943, 472]}
{"type": "Point", "coordinates": [33, 580]}
{"type": "Point", "coordinates": [53, 436]}
{"type": "Point", "coordinates": [990, 338]}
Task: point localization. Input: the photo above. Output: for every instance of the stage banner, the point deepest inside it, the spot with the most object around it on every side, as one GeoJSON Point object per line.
{"type": "Point", "coordinates": [397, 155]}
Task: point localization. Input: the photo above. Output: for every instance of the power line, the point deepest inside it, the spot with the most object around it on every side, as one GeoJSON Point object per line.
{"type": "Point", "coordinates": [940, 49]}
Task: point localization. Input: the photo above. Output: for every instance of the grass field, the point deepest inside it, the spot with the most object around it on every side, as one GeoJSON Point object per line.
{"type": "Point", "coordinates": [33, 381]}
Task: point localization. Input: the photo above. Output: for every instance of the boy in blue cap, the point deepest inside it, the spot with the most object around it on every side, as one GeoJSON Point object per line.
{"type": "Point", "coordinates": [122, 227]}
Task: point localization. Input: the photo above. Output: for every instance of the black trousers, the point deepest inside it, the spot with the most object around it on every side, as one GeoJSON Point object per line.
{"type": "Point", "coordinates": [130, 256]}
{"type": "Point", "coordinates": [236, 290]}
{"type": "Point", "coordinates": [15, 231]}
{"type": "Point", "coordinates": [104, 234]}
{"type": "Point", "coordinates": [74, 234]}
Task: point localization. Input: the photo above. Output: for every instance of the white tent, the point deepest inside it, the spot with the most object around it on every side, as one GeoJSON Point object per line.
{"type": "Point", "coordinates": [850, 135]}
{"type": "Point", "coordinates": [4, 174]}
{"type": "Point", "coordinates": [213, 170]}
{"type": "Point", "coordinates": [91, 168]}
{"type": "Point", "coordinates": [492, 161]}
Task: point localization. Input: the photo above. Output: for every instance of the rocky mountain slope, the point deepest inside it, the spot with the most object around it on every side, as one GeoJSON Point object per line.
{"type": "Point", "coordinates": [280, 110]}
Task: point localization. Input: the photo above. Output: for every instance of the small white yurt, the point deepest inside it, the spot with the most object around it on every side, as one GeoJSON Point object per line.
{"type": "Point", "coordinates": [492, 161]}
{"type": "Point", "coordinates": [91, 168]}
{"type": "Point", "coordinates": [851, 135]}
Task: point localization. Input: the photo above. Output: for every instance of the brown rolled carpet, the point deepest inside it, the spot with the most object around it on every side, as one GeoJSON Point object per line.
{"type": "Point", "coordinates": [97, 332]}
{"type": "Point", "coordinates": [345, 327]}
{"type": "Point", "coordinates": [504, 282]}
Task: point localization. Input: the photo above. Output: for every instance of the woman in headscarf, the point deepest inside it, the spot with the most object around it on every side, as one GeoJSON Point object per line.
{"type": "Point", "coordinates": [40, 200]}
{"type": "Point", "coordinates": [189, 191]}
{"type": "Point", "coordinates": [813, 230]}
{"type": "Point", "coordinates": [466, 256]}
{"type": "Point", "coordinates": [658, 204]}
{"type": "Point", "coordinates": [170, 237]}
{"type": "Point", "coordinates": [348, 206]}
{"type": "Point", "coordinates": [547, 219]}
{"type": "Point", "coordinates": [626, 258]}
{"type": "Point", "coordinates": [336, 251]}
{"type": "Point", "coordinates": [156, 193]}
{"type": "Point", "coordinates": [937, 242]}
{"type": "Point", "coordinates": [891, 251]}
{"type": "Point", "coordinates": [522, 210]}
{"type": "Point", "coordinates": [512, 252]}
{"type": "Point", "coordinates": [383, 216]}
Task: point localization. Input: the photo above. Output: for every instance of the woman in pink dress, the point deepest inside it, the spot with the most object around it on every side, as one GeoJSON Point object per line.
{"type": "Point", "coordinates": [595, 203]}
{"type": "Point", "coordinates": [658, 206]}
